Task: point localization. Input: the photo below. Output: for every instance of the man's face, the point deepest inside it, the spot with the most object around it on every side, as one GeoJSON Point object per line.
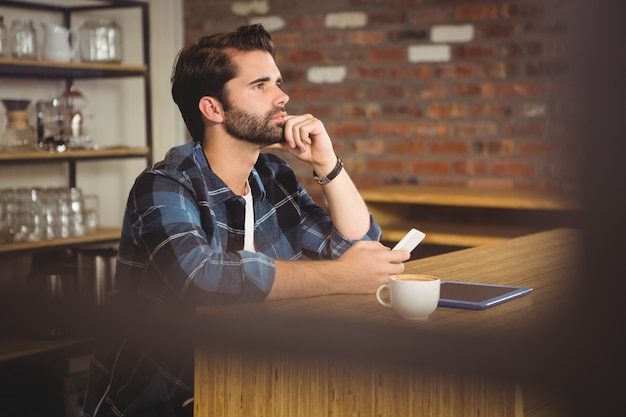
{"type": "Point", "coordinates": [259, 129]}
{"type": "Point", "coordinates": [254, 107]}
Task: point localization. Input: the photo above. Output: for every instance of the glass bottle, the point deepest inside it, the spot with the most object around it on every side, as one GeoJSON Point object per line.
{"type": "Point", "coordinates": [4, 39]}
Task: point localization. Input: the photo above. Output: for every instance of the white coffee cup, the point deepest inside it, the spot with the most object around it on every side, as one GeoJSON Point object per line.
{"type": "Point", "coordinates": [412, 296]}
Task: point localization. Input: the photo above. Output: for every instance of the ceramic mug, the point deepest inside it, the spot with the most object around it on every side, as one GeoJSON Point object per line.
{"type": "Point", "coordinates": [412, 296]}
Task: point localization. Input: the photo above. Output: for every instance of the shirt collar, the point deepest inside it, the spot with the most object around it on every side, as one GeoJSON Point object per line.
{"type": "Point", "coordinates": [217, 190]}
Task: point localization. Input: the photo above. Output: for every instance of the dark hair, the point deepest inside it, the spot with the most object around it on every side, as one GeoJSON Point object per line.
{"type": "Point", "coordinates": [203, 69]}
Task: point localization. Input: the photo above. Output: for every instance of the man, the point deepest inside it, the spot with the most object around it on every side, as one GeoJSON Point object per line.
{"type": "Point", "coordinates": [220, 222]}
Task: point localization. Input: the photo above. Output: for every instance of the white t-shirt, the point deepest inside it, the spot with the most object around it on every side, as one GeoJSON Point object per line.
{"type": "Point", "coordinates": [248, 242]}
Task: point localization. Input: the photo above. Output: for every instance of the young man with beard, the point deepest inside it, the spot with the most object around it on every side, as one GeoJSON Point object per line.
{"type": "Point", "coordinates": [217, 221]}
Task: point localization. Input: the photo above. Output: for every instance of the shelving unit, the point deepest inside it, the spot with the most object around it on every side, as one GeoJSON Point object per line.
{"type": "Point", "coordinates": [15, 348]}
{"type": "Point", "coordinates": [69, 72]}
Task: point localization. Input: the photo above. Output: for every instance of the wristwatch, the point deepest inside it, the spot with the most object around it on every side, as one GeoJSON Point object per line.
{"type": "Point", "coordinates": [331, 176]}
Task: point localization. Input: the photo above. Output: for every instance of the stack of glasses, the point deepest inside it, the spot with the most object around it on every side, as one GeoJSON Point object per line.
{"type": "Point", "coordinates": [32, 214]}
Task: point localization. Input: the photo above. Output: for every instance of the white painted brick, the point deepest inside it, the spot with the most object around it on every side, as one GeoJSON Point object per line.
{"type": "Point", "coordinates": [343, 20]}
{"type": "Point", "coordinates": [270, 23]}
{"type": "Point", "coordinates": [327, 75]}
{"type": "Point", "coordinates": [429, 53]}
{"type": "Point", "coordinates": [452, 33]}
{"type": "Point", "coordinates": [246, 8]}
{"type": "Point", "coordinates": [535, 109]}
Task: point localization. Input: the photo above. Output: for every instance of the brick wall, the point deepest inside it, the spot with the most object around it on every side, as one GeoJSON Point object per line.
{"type": "Point", "coordinates": [446, 92]}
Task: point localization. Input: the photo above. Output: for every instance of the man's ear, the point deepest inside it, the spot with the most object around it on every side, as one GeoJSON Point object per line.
{"type": "Point", "coordinates": [212, 109]}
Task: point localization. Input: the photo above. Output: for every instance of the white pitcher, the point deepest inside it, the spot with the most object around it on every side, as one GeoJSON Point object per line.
{"type": "Point", "coordinates": [59, 43]}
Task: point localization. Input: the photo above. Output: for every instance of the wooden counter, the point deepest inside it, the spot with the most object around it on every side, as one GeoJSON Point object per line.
{"type": "Point", "coordinates": [467, 217]}
{"type": "Point", "coordinates": [346, 355]}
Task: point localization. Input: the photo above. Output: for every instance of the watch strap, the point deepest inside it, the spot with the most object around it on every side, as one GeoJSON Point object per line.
{"type": "Point", "coordinates": [331, 176]}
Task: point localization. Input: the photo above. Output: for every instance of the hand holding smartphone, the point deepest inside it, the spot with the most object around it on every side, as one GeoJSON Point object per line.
{"type": "Point", "coordinates": [410, 240]}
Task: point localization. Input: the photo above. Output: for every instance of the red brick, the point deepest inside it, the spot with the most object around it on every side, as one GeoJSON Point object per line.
{"type": "Point", "coordinates": [408, 36]}
{"type": "Point", "coordinates": [304, 92]}
{"type": "Point", "coordinates": [301, 22]}
{"type": "Point", "coordinates": [361, 110]}
{"type": "Point", "coordinates": [497, 30]}
{"type": "Point", "coordinates": [386, 18]}
{"type": "Point", "coordinates": [474, 90]}
{"type": "Point", "coordinates": [293, 75]}
{"type": "Point", "coordinates": [411, 72]}
{"type": "Point", "coordinates": [287, 40]}
{"type": "Point", "coordinates": [467, 167]}
{"type": "Point", "coordinates": [473, 52]}
{"type": "Point", "coordinates": [406, 147]}
{"type": "Point", "coordinates": [446, 110]}
{"type": "Point", "coordinates": [387, 166]}
{"type": "Point", "coordinates": [390, 54]}
{"type": "Point", "coordinates": [518, 89]}
{"type": "Point", "coordinates": [365, 37]}
{"type": "Point", "coordinates": [406, 109]}
{"type": "Point", "coordinates": [369, 147]}
{"type": "Point", "coordinates": [382, 91]}
{"type": "Point", "coordinates": [346, 128]}
{"type": "Point", "coordinates": [478, 12]}
{"type": "Point", "coordinates": [455, 70]}
{"type": "Point", "coordinates": [430, 15]}
{"type": "Point", "coordinates": [512, 168]}
{"type": "Point", "coordinates": [345, 55]}
{"type": "Point", "coordinates": [491, 110]}
{"type": "Point", "coordinates": [430, 92]}
{"type": "Point", "coordinates": [358, 72]}
{"type": "Point", "coordinates": [475, 128]}
{"type": "Point", "coordinates": [448, 147]}
{"type": "Point", "coordinates": [431, 129]}
{"type": "Point", "coordinates": [322, 39]}
{"type": "Point", "coordinates": [494, 147]}
{"type": "Point", "coordinates": [429, 167]}
{"type": "Point", "coordinates": [305, 56]}
{"type": "Point", "coordinates": [510, 10]}
{"type": "Point", "coordinates": [500, 69]}
{"type": "Point", "coordinates": [345, 92]}
{"type": "Point", "coordinates": [390, 128]}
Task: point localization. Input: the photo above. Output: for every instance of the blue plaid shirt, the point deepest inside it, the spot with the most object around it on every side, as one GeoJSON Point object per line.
{"type": "Point", "coordinates": [182, 244]}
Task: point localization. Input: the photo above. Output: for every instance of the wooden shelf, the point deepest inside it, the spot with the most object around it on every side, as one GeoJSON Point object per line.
{"type": "Point", "coordinates": [28, 68]}
{"type": "Point", "coordinates": [12, 348]}
{"type": "Point", "coordinates": [9, 157]}
{"type": "Point", "coordinates": [455, 234]}
{"type": "Point", "coordinates": [102, 235]}
{"type": "Point", "coordinates": [470, 197]}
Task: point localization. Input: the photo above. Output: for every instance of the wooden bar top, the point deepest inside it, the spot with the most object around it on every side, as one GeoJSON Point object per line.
{"type": "Point", "coordinates": [547, 261]}
{"type": "Point", "coordinates": [346, 354]}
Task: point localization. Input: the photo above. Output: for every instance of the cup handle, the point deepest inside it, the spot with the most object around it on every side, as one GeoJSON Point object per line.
{"type": "Point", "coordinates": [379, 298]}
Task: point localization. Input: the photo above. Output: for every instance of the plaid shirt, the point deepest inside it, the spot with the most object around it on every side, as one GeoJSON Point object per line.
{"type": "Point", "coordinates": [182, 245]}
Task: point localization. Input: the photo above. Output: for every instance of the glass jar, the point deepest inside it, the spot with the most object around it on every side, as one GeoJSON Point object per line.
{"type": "Point", "coordinates": [23, 39]}
{"type": "Point", "coordinates": [100, 41]}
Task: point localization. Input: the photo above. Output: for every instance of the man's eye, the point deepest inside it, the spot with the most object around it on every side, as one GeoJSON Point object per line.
{"type": "Point", "coordinates": [259, 86]}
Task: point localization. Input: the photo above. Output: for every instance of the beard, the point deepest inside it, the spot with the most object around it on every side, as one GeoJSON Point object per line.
{"type": "Point", "coordinates": [251, 127]}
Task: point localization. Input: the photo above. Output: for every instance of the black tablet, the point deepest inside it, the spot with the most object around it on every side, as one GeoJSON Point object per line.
{"type": "Point", "coordinates": [477, 296]}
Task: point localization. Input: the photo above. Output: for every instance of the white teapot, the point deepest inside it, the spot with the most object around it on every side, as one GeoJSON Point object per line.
{"type": "Point", "coordinates": [59, 43]}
